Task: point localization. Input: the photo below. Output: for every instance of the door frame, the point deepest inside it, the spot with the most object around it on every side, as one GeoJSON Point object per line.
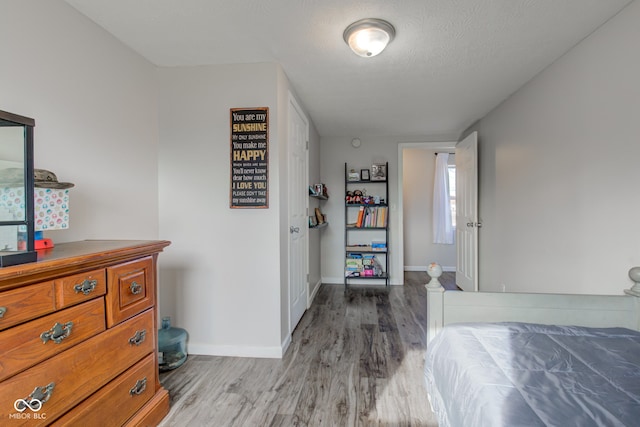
{"type": "Point", "coordinates": [292, 103]}
{"type": "Point", "coordinates": [443, 145]}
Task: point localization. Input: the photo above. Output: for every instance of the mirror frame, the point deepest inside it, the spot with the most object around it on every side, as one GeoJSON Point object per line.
{"type": "Point", "coordinates": [30, 254]}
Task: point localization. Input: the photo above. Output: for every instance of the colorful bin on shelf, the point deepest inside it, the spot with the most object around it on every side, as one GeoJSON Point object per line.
{"type": "Point", "coordinates": [51, 212]}
{"type": "Point", "coordinates": [51, 206]}
{"type": "Point", "coordinates": [51, 209]}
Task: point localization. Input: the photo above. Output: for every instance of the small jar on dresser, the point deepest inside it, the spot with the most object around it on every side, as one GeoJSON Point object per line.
{"type": "Point", "coordinates": [78, 332]}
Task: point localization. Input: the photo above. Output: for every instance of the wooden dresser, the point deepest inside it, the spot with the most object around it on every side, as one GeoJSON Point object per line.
{"type": "Point", "coordinates": [78, 337]}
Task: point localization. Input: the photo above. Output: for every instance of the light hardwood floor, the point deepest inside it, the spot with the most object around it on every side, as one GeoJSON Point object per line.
{"type": "Point", "coordinates": [355, 360]}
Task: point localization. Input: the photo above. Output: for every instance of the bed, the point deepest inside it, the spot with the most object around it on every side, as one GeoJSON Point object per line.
{"type": "Point", "coordinates": [501, 359]}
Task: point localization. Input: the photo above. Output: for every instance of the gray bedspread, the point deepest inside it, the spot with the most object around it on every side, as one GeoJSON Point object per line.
{"type": "Point", "coordinates": [519, 374]}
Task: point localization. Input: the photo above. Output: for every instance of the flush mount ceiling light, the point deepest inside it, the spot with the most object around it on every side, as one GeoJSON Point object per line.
{"type": "Point", "coordinates": [368, 37]}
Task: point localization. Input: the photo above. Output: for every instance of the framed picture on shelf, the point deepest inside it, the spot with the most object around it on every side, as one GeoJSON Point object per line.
{"type": "Point", "coordinates": [379, 172]}
{"type": "Point", "coordinates": [364, 175]}
{"type": "Point", "coordinates": [353, 175]}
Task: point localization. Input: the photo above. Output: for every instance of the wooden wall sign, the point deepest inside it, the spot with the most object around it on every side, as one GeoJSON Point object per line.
{"type": "Point", "coordinates": [250, 157]}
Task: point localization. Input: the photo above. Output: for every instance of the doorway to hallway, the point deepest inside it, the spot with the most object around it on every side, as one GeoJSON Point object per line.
{"type": "Point", "coordinates": [417, 162]}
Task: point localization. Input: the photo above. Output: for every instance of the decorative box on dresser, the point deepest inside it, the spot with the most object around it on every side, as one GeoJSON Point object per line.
{"type": "Point", "coordinates": [78, 337]}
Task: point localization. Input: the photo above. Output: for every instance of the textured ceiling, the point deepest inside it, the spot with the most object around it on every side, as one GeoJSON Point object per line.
{"type": "Point", "coordinates": [452, 61]}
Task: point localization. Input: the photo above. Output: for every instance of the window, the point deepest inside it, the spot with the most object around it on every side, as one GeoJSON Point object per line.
{"type": "Point", "coordinates": [452, 193]}
{"type": "Point", "coordinates": [444, 186]}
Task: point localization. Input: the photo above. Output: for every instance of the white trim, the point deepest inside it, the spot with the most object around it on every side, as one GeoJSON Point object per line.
{"type": "Point", "coordinates": [285, 345]}
{"type": "Point", "coordinates": [333, 280]}
{"type": "Point", "coordinates": [239, 351]}
{"type": "Point", "coordinates": [445, 145]}
{"type": "Point", "coordinates": [424, 268]}
{"type": "Point", "coordinates": [314, 292]}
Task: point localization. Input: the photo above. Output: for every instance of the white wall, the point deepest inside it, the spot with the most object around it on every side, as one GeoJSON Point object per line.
{"type": "Point", "coordinates": [417, 208]}
{"type": "Point", "coordinates": [374, 149]}
{"type": "Point", "coordinates": [559, 175]}
{"type": "Point", "coordinates": [95, 107]}
{"type": "Point", "coordinates": [225, 279]}
{"type": "Point", "coordinates": [221, 279]}
{"type": "Point", "coordinates": [335, 152]}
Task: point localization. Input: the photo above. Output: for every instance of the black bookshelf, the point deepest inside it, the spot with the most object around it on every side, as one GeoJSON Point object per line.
{"type": "Point", "coordinates": [353, 235]}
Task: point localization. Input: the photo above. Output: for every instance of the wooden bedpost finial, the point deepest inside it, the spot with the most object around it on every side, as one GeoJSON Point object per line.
{"type": "Point", "coordinates": [634, 274]}
{"type": "Point", "coordinates": [434, 270]}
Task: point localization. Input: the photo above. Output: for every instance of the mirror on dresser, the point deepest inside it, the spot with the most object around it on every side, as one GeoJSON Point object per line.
{"type": "Point", "coordinates": [16, 190]}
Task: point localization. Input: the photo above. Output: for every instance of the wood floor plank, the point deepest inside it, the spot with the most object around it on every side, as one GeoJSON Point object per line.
{"type": "Point", "coordinates": [355, 359]}
{"type": "Point", "coordinates": [366, 403]}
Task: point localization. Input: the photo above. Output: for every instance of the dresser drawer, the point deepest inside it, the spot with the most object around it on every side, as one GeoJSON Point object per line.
{"type": "Point", "coordinates": [29, 302]}
{"type": "Point", "coordinates": [25, 345]}
{"type": "Point", "coordinates": [130, 289]}
{"type": "Point", "coordinates": [71, 290]}
{"type": "Point", "coordinates": [78, 372]}
{"type": "Point", "coordinates": [128, 393]}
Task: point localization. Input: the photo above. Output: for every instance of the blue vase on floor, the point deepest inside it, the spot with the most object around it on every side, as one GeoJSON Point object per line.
{"type": "Point", "coordinates": [172, 346]}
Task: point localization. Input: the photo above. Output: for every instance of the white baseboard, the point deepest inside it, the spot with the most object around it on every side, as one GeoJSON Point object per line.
{"type": "Point", "coordinates": [285, 345]}
{"type": "Point", "coordinates": [424, 268]}
{"type": "Point", "coordinates": [314, 292]}
{"type": "Point", "coordinates": [239, 351]}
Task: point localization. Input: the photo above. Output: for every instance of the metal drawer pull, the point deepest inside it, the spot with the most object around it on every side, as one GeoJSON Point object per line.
{"type": "Point", "coordinates": [138, 338]}
{"type": "Point", "coordinates": [139, 388]}
{"type": "Point", "coordinates": [36, 399]}
{"type": "Point", "coordinates": [57, 333]}
{"type": "Point", "coordinates": [3, 310]}
{"type": "Point", "coordinates": [135, 288]}
{"type": "Point", "coordinates": [86, 287]}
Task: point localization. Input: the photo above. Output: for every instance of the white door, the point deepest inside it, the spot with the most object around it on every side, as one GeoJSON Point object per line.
{"type": "Point", "coordinates": [298, 207]}
{"type": "Point", "coordinates": [467, 213]}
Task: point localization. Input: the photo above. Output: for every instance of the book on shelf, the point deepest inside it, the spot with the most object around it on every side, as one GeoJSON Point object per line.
{"type": "Point", "coordinates": [363, 266]}
{"type": "Point", "coordinates": [356, 248]}
{"type": "Point", "coordinates": [372, 217]}
{"type": "Point", "coordinates": [381, 219]}
{"type": "Point", "coordinates": [366, 248]}
{"type": "Point", "coordinates": [379, 246]}
{"type": "Point", "coordinates": [360, 217]}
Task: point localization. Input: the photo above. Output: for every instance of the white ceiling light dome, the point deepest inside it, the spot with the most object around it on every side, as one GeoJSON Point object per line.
{"type": "Point", "coordinates": [368, 37]}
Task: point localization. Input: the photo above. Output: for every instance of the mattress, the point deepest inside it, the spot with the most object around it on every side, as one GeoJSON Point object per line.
{"type": "Point", "coordinates": [520, 374]}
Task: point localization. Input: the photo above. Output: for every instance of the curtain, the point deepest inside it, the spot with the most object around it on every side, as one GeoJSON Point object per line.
{"type": "Point", "coordinates": [442, 227]}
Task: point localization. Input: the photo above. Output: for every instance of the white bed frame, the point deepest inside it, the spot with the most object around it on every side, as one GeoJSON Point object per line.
{"type": "Point", "coordinates": [446, 307]}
